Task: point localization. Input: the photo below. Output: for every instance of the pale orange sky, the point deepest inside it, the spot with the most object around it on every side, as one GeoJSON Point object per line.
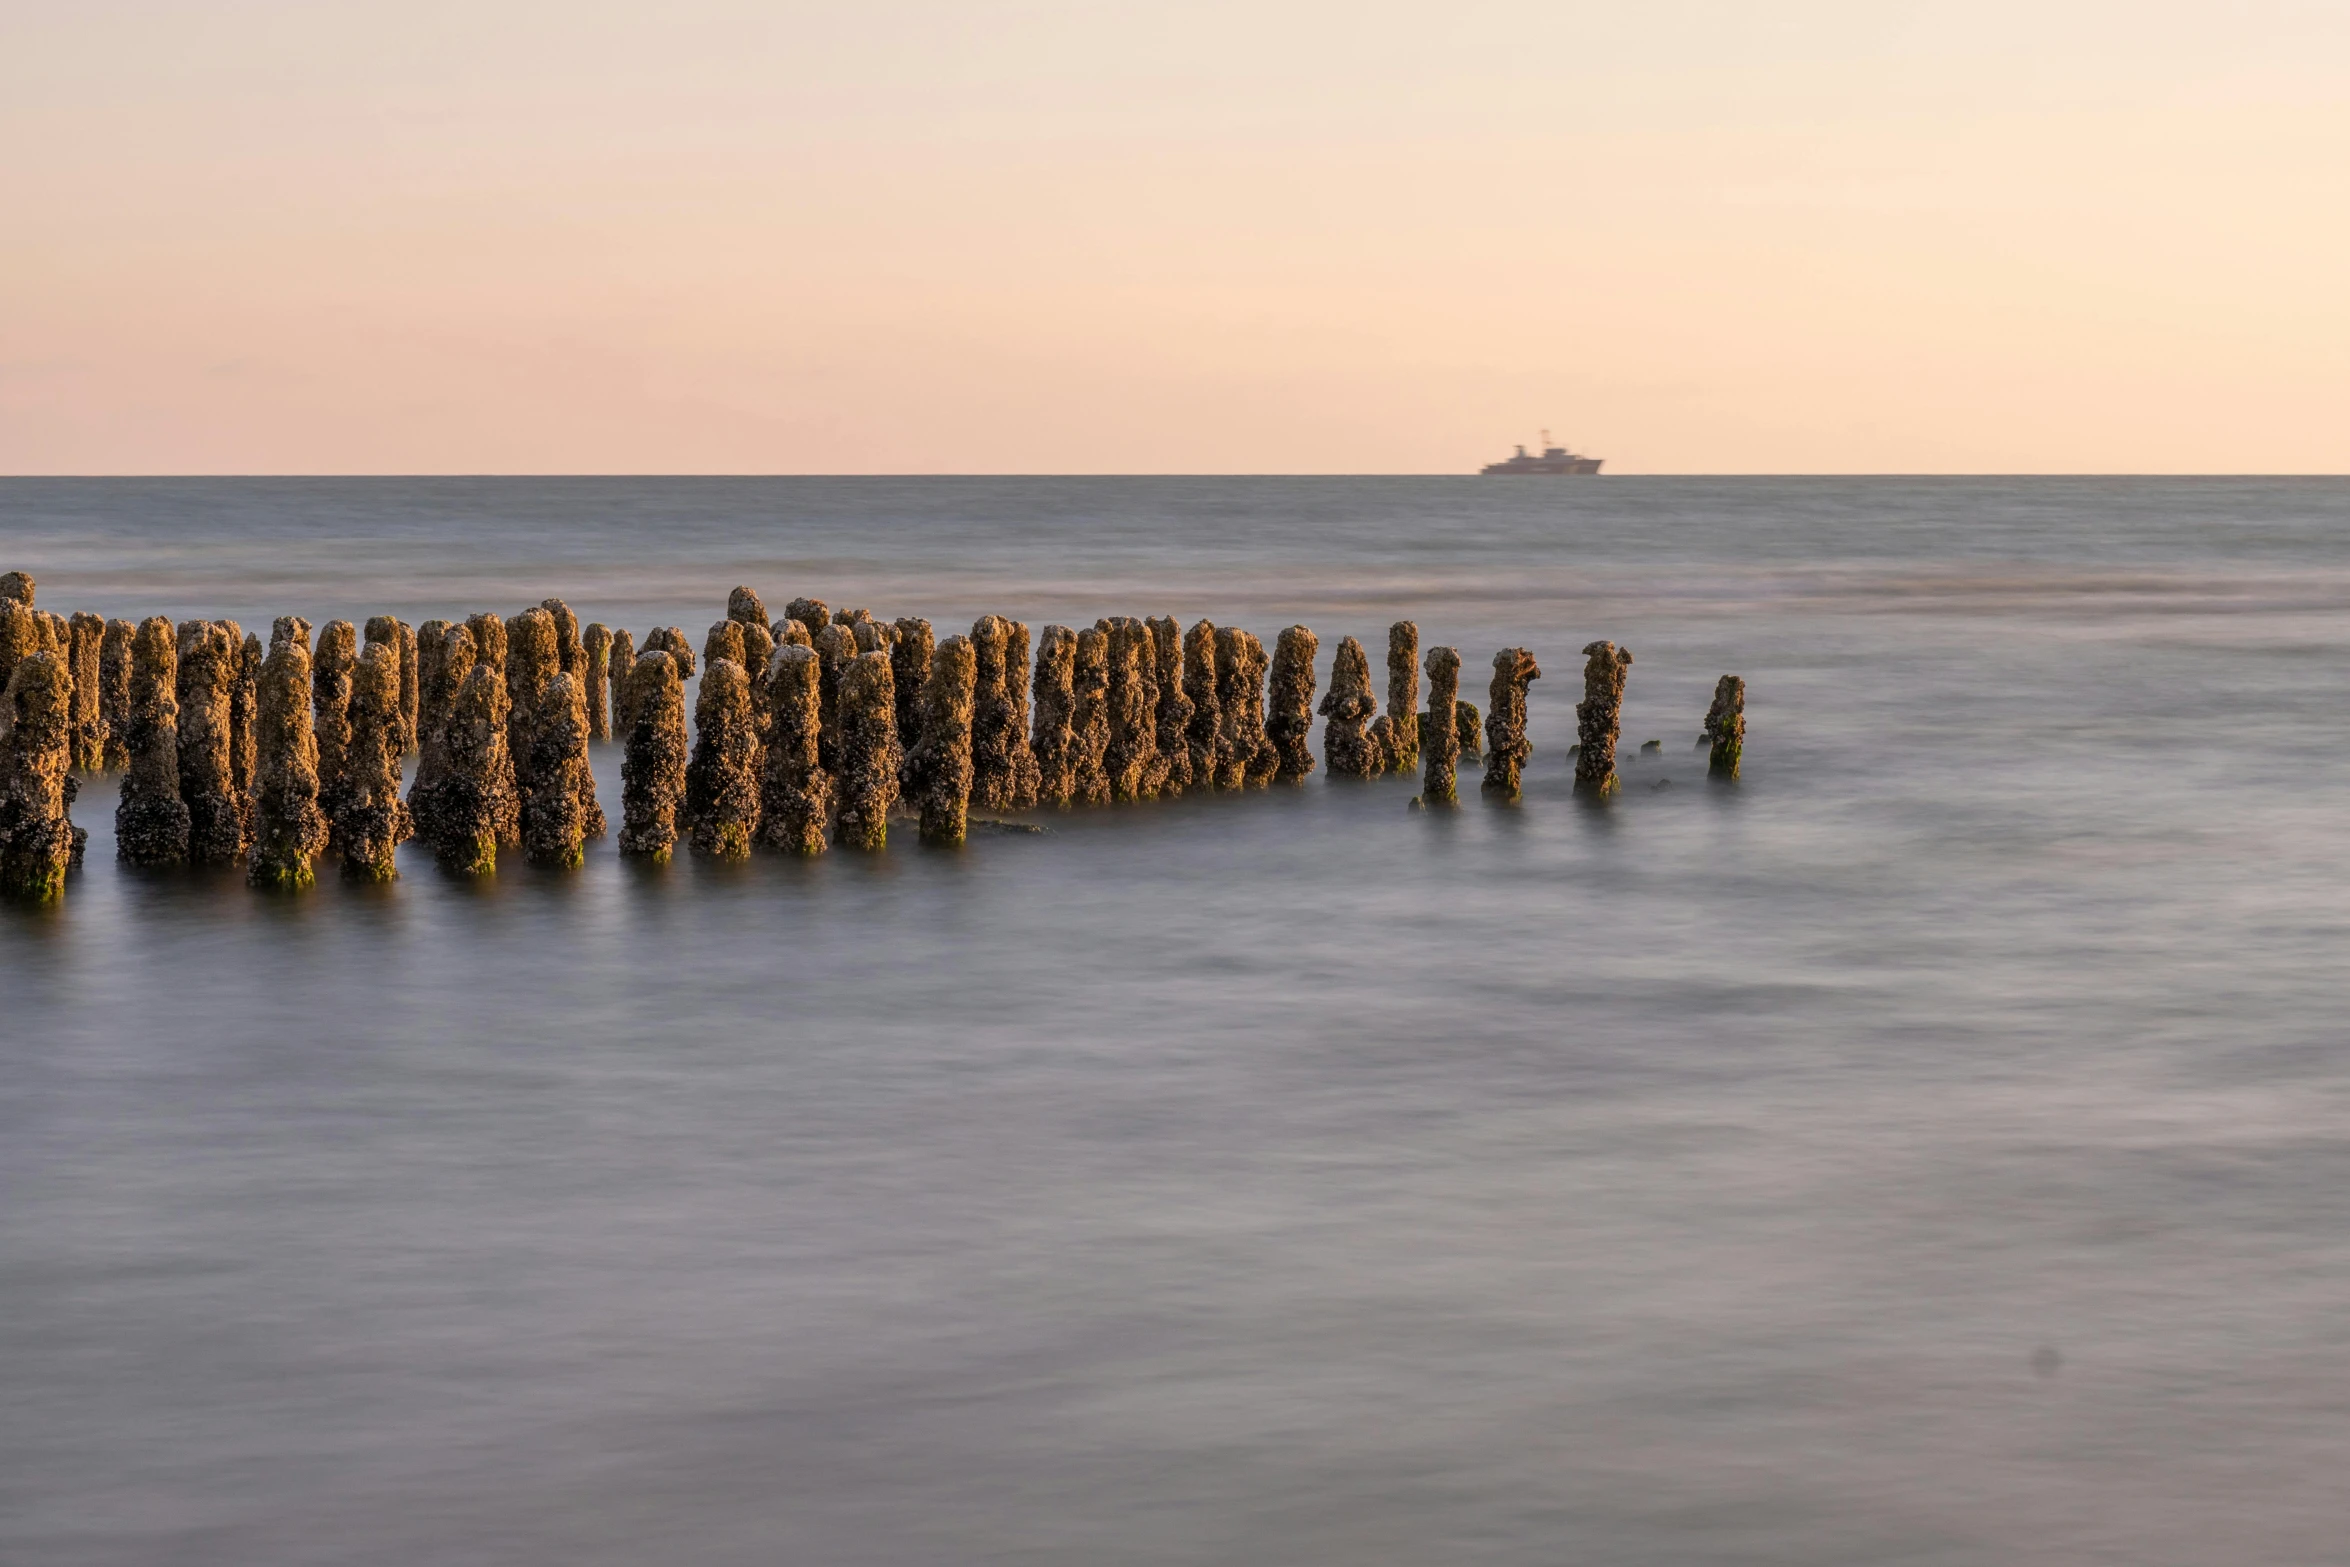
{"type": "Point", "coordinates": [1230, 236]}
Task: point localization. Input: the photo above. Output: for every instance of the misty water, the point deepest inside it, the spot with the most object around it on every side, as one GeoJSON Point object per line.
{"type": "Point", "coordinates": [1933, 1149]}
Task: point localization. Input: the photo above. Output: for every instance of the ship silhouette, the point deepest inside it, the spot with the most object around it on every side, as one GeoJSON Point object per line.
{"type": "Point", "coordinates": [1554, 459]}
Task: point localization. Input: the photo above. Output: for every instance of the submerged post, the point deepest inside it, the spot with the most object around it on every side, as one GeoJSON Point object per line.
{"type": "Point", "coordinates": [1506, 748]}
{"type": "Point", "coordinates": [1598, 717]}
{"type": "Point", "coordinates": [1725, 728]}
{"type": "Point", "coordinates": [1440, 742]}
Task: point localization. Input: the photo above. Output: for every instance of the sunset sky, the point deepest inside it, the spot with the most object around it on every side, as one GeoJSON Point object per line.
{"type": "Point", "coordinates": [1222, 236]}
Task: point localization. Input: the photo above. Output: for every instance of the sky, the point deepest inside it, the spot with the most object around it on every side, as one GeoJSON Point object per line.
{"type": "Point", "coordinates": [1227, 236]}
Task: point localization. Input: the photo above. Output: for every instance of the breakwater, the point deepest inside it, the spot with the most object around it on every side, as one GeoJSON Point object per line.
{"type": "Point", "coordinates": [812, 730]}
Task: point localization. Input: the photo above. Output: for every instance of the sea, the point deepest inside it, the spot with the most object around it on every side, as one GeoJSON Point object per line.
{"type": "Point", "coordinates": [1933, 1148]}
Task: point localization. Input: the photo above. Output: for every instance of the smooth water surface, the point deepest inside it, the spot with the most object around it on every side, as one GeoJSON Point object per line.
{"type": "Point", "coordinates": [1934, 1149]}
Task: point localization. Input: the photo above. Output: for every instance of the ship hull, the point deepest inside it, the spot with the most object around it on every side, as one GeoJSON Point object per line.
{"type": "Point", "coordinates": [1542, 469]}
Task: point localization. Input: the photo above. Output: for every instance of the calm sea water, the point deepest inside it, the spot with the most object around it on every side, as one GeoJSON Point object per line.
{"type": "Point", "coordinates": [1935, 1149]}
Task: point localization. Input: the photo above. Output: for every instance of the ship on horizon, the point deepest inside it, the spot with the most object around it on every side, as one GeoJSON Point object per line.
{"type": "Point", "coordinates": [1554, 459]}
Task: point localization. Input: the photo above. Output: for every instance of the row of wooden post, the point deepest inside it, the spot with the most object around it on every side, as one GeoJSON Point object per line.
{"type": "Point", "coordinates": [807, 728]}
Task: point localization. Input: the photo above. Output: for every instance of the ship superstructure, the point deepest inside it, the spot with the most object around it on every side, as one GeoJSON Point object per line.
{"type": "Point", "coordinates": [1554, 460]}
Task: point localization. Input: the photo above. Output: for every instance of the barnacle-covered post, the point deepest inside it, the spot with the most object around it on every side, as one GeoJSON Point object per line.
{"type": "Point", "coordinates": [795, 793]}
{"type": "Point", "coordinates": [1204, 729]}
{"type": "Point", "coordinates": [207, 681]}
{"type": "Point", "coordinates": [1349, 706]}
{"type": "Point", "coordinates": [1506, 748]}
{"type": "Point", "coordinates": [652, 774]}
{"type": "Point", "coordinates": [1174, 708]}
{"type": "Point", "coordinates": [722, 779]}
{"type": "Point", "coordinates": [16, 587]}
{"type": "Point", "coordinates": [330, 707]}
{"type": "Point", "coordinates": [1055, 743]}
{"type": "Point", "coordinates": [467, 822]}
{"type": "Point", "coordinates": [114, 691]}
{"type": "Point", "coordinates": [836, 648]}
{"type": "Point", "coordinates": [938, 767]}
{"type": "Point", "coordinates": [869, 753]}
{"type": "Point", "coordinates": [595, 642]}
{"type": "Point", "coordinates": [244, 716]}
{"type": "Point", "coordinates": [619, 665]}
{"type": "Point", "coordinates": [150, 820]}
{"type": "Point", "coordinates": [1401, 742]}
{"type": "Point", "coordinates": [38, 841]}
{"type": "Point", "coordinates": [1289, 708]}
{"type": "Point", "coordinates": [1089, 719]}
{"type": "Point", "coordinates": [1131, 756]}
{"type": "Point", "coordinates": [554, 827]}
{"type": "Point", "coordinates": [87, 635]}
{"type": "Point", "coordinates": [1003, 768]}
{"type": "Point", "coordinates": [909, 670]}
{"type": "Point", "coordinates": [289, 830]}
{"type": "Point", "coordinates": [1598, 717]}
{"type": "Point", "coordinates": [1440, 741]}
{"type": "Point", "coordinates": [810, 615]}
{"type": "Point", "coordinates": [1725, 728]}
{"type": "Point", "coordinates": [745, 605]}
{"type": "Point", "coordinates": [724, 640]}
{"type": "Point", "coordinates": [371, 823]}
{"type": "Point", "coordinates": [1245, 758]}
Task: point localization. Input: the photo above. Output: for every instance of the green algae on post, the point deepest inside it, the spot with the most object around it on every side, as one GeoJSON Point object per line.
{"type": "Point", "coordinates": [1599, 716]}
{"type": "Point", "coordinates": [1725, 728]}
